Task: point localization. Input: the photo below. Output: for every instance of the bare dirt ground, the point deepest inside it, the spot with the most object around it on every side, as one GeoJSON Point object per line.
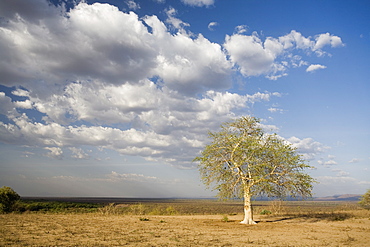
{"type": "Point", "coordinates": [181, 230]}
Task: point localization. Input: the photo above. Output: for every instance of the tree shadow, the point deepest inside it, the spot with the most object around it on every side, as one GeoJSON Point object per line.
{"type": "Point", "coordinates": [313, 217]}
{"type": "Point", "coordinates": [274, 219]}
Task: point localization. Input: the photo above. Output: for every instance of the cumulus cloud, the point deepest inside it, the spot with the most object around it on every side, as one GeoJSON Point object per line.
{"type": "Point", "coordinates": [327, 39]}
{"type": "Point", "coordinates": [308, 147]}
{"type": "Point", "coordinates": [99, 42]}
{"type": "Point", "coordinates": [250, 55]}
{"type": "Point", "coordinates": [314, 67]}
{"type": "Point", "coordinates": [96, 76]}
{"type": "Point", "coordinates": [87, 42]}
{"type": "Point", "coordinates": [161, 122]}
{"type": "Point", "coordinates": [23, 104]}
{"type": "Point", "coordinates": [273, 56]}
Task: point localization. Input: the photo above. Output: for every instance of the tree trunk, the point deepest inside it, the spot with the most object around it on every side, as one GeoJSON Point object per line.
{"type": "Point", "coordinates": [248, 216]}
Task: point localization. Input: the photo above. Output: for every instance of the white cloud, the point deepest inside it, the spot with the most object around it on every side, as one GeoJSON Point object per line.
{"type": "Point", "coordinates": [198, 3]}
{"type": "Point", "coordinates": [20, 92]}
{"type": "Point", "coordinates": [189, 65]}
{"type": "Point", "coordinates": [314, 67]}
{"type": "Point", "coordinates": [248, 52]}
{"type": "Point", "coordinates": [327, 39]}
{"type": "Point", "coordinates": [162, 121]}
{"type": "Point", "coordinates": [27, 104]}
{"type": "Point", "coordinates": [307, 147]}
{"type": "Point", "coordinates": [132, 5]}
{"type": "Point", "coordinates": [99, 42]}
{"type": "Point", "coordinates": [175, 22]}
{"type": "Point", "coordinates": [85, 40]}
{"type": "Point", "coordinates": [274, 110]}
{"type": "Point", "coordinates": [6, 105]}
{"type": "Point", "coordinates": [78, 153]}
{"type": "Point", "coordinates": [296, 40]}
{"type": "Point", "coordinates": [328, 180]}
{"type": "Point", "coordinates": [97, 76]}
{"type": "Point", "coordinates": [211, 25]}
{"type": "Point", "coordinates": [54, 152]}
{"type": "Point", "coordinates": [273, 56]}
{"type": "Point", "coordinates": [241, 29]}
{"type": "Point", "coordinates": [327, 163]}
{"type": "Point", "coordinates": [114, 176]}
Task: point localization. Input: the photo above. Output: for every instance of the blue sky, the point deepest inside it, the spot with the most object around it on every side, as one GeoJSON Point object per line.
{"type": "Point", "coordinates": [115, 98]}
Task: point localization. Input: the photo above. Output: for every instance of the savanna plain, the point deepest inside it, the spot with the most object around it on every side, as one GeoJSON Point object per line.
{"type": "Point", "coordinates": [180, 222]}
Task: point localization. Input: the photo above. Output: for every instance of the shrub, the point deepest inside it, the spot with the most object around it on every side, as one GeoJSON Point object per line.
{"type": "Point", "coordinates": [265, 212]}
{"type": "Point", "coordinates": [225, 218]}
{"type": "Point", "coordinates": [8, 199]}
{"type": "Point", "coordinates": [108, 209]}
{"type": "Point", "coordinates": [171, 210]}
{"type": "Point", "coordinates": [137, 209]}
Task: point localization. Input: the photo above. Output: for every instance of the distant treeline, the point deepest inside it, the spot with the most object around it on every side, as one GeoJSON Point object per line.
{"type": "Point", "coordinates": [43, 205]}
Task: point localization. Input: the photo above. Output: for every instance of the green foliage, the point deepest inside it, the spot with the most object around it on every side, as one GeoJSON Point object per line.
{"type": "Point", "coordinates": [225, 218]}
{"type": "Point", "coordinates": [241, 159]}
{"type": "Point", "coordinates": [8, 199]}
{"type": "Point", "coordinates": [365, 200]}
{"type": "Point", "coordinates": [55, 206]}
{"type": "Point", "coordinates": [265, 212]}
{"type": "Point", "coordinates": [170, 210]}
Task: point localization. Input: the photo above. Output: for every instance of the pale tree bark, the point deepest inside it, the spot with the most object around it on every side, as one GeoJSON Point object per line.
{"type": "Point", "coordinates": [248, 215]}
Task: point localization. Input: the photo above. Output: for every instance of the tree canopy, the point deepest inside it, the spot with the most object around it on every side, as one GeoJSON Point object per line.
{"type": "Point", "coordinates": [8, 197]}
{"type": "Point", "coordinates": [243, 161]}
{"type": "Point", "coordinates": [365, 200]}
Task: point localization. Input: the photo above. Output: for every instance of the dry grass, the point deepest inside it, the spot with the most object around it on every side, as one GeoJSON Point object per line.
{"type": "Point", "coordinates": [292, 224]}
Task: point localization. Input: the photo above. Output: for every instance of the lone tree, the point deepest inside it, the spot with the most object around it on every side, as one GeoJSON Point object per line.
{"type": "Point", "coordinates": [365, 200]}
{"type": "Point", "coordinates": [8, 197]}
{"type": "Point", "coordinates": [242, 161]}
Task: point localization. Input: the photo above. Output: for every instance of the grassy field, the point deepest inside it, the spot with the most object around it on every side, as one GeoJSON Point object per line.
{"type": "Point", "coordinates": [191, 223]}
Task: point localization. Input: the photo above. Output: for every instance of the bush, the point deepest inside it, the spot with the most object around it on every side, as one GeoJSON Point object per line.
{"type": "Point", "coordinates": [8, 199]}
{"type": "Point", "coordinates": [265, 212]}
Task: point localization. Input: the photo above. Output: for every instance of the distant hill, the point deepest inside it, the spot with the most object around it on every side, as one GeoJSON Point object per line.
{"type": "Point", "coordinates": [346, 197]}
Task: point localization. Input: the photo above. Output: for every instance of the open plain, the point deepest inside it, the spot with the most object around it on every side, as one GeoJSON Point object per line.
{"type": "Point", "coordinates": [192, 223]}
